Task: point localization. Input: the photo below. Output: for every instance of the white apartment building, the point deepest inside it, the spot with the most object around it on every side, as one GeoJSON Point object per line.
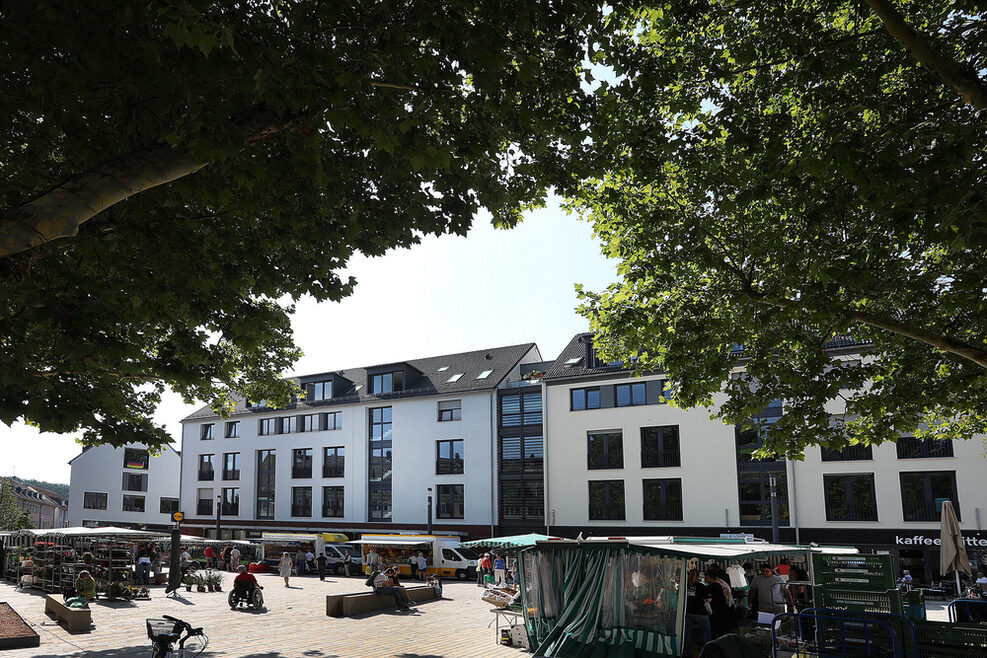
{"type": "Point", "coordinates": [362, 452]}
{"type": "Point", "coordinates": [126, 487]}
{"type": "Point", "coordinates": [620, 461]}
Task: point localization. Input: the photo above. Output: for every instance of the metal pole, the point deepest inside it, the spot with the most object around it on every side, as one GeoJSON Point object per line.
{"type": "Point", "coordinates": [429, 526]}
{"type": "Point", "coordinates": [774, 509]}
{"type": "Point", "coordinates": [174, 564]}
{"type": "Point", "coordinates": [219, 513]}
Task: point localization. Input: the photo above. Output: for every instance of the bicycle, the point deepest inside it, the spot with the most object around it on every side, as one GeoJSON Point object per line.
{"type": "Point", "coordinates": [165, 631]}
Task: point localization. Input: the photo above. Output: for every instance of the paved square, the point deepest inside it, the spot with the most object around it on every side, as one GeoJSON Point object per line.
{"type": "Point", "coordinates": [295, 624]}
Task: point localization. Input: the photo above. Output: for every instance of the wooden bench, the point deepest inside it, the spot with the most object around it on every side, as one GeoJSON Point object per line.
{"type": "Point", "coordinates": [76, 619]}
{"type": "Point", "coordinates": [351, 605]}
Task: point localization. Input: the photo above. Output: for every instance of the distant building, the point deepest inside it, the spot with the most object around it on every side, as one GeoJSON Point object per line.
{"type": "Point", "coordinates": [46, 508]}
{"type": "Point", "coordinates": [125, 487]}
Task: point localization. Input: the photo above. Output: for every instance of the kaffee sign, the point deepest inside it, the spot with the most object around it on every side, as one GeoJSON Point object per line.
{"type": "Point", "coordinates": [922, 540]}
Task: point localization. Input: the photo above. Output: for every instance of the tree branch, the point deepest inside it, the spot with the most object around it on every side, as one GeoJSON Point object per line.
{"type": "Point", "coordinates": [963, 81]}
{"type": "Point", "coordinates": [970, 352]}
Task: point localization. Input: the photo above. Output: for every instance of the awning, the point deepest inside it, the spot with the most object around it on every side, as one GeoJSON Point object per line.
{"type": "Point", "coordinates": [107, 531]}
{"type": "Point", "coordinates": [688, 546]}
{"type": "Point", "coordinates": [391, 541]}
{"type": "Point", "coordinates": [512, 541]}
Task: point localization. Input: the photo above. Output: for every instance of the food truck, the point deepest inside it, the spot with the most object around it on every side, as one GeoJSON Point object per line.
{"type": "Point", "coordinates": [332, 544]}
{"type": "Point", "coordinates": [446, 557]}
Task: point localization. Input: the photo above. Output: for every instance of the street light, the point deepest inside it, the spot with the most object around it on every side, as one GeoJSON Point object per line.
{"type": "Point", "coordinates": [219, 513]}
{"type": "Point", "coordinates": [429, 527]}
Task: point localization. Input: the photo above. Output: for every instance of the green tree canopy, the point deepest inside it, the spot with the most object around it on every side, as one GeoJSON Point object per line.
{"type": "Point", "coordinates": [169, 171]}
{"type": "Point", "coordinates": [782, 174]}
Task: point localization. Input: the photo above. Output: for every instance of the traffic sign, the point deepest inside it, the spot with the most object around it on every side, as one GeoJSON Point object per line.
{"type": "Point", "coordinates": [177, 517]}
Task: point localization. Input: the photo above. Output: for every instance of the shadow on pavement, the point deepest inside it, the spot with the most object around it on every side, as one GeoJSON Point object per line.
{"type": "Point", "coordinates": [122, 652]}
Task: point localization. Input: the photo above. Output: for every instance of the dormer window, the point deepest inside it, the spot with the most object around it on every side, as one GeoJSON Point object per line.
{"type": "Point", "coordinates": [259, 403]}
{"type": "Point", "coordinates": [387, 382]}
{"type": "Point", "coordinates": [572, 363]}
{"type": "Point", "coordinates": [321, 390]}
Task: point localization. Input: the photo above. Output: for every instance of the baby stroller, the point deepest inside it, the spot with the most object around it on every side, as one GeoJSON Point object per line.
{"type": "Point", "coordinates": [246, 593]}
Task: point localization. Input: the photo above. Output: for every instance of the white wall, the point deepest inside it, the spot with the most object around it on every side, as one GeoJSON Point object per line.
{"type": "Point", "coordinates": [101, 470]}
{"type": "Point", "coordinates": [708, 461]}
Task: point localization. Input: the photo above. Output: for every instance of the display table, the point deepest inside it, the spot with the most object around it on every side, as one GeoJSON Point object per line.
{"type": "Point", "coordinates": [510, 618]}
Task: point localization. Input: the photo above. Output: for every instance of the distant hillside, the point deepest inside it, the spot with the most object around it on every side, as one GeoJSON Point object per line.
{"type": "Point", "coordinates": [61, 489]}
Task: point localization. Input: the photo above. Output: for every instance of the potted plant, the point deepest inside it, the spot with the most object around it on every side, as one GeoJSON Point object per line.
{"type": "Point", "coordinates": [208, 580]}
{"type": "Point", "coordinates": [200, 584]}
{"type": "Point", "coordinates": [188, 581]}
{"type": "Point", "coordinates": [217, 582]}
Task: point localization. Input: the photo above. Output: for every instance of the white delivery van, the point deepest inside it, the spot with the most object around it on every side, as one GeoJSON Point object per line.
{"type": "Point", "coordinates": [445, 557]}
{"type": "Point", "coordinates": [331, 544]}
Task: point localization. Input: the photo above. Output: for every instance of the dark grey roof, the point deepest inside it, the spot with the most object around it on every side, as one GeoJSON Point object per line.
{"type": "Point", "coordinates": [501, 360]}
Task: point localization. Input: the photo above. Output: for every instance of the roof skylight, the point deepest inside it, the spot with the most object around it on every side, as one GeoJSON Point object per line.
{"type": "Point", "coordinates": [484, 374]}
{"type": "Point", "coordinates": [454, 378]}
{"type": "Point", "coordinates": [442, 369]}
{"type": "Point", "coordinates": [571, 362]}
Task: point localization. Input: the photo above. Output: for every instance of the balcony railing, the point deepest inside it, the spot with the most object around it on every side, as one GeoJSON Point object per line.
{"type": "Point", "coordinates": [233, 474]}
{"type": "Point", "coordinates": [206, 474]}
{"type": "Point", "coordinates": [606, 512]}
{"type": "Point", "coordinates": [204, 508]}
{"type": "Point", "coordinates": [661, 458]}
{"type": "Point", "coordinates": [926, 511]}
{"type": "Point", "coordinates": [852, 513]}
{"type": "Point", "coordinates": [301, 510]}
{"type": "Point", "coordinates": [663, 513]}
{"type": "Point", "coordinates": [446, 466]}
{"type": "Point", "coordinates": [332, 511]}
{"type": "Point", "coordinates": [301, 471]}
{"type": "Point", "coordinates": [231, 509]}
{"type": "Point", "coordinates": [332, 471]}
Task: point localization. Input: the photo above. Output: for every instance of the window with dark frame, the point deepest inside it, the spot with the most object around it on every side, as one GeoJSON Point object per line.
{"type": "Point", "coordinates": [450, 410]}
{"type": "Point", "coordinates": [379, 480]}
{"type": "Point", "coordinates": [231, 501]}
{"type": "Point", "coordinates": [605, 450]}
{"type": "Point", "coordinates": [850, 497]}
{"type": "Point", "coordinates": [660, 447]}
{"type": "Point", "coordinates": [630, 395]}
{"type": "Point", "coordinates": [387, 382]}
{"type": "Point", "coordinates": [317, 391]}
{"type": "Point", "coordinates": [287, 425]}
{"type": "Point", "coordinates": [233, 429]}
{"type": "Point", "coordinates": [167, 505]}
{"type": "Point", "coordinates": [333, 462]}
{"type": "Point", "coordinates": [93, 500]}
{"type": "Point", "coordinates": [301, 501]}
{"type": "Point", "coordinates": [449, 457]}
{"type": "Point", "coordinates": [451, 504]}
{"type": "Point", "coordinates": [133, 503]}
{"type": "Point", "coordinates": [204, 502]}
{"type": "Point", "coordinates": [266, 426]}
{"type": "Point", "coordinates": [910, 447]}
{"type": "Point", "coordinates": [923, 492]}
{"type": "Point", "coordinates": [231, 466]}
{"type": "Point", "coordinates": [301, 463]}
{"type": "Point", "coordinates": [332, 502]}
{"type": "Point", "coordinates": [584, 398]}
{"type": "Point", "coordinates": [206, 432]}
{"type": "Point", "coordinates": [136, 459]}
{"type": "Point", "coordinates": [663, 499]}
{"type": "Point", "coordinates": [266, 463]}
{"type": "Point", "coordinates": [310, 423]}
{"type": "Point", "coordinates": [206, 467]}
{"type": "Point", "coordinates": [606, 500]}
{"type": "Point", "coordinates": [855, 452]}
{"type": "Point", "coordinates": [332, 420]}
{"type": "Point", "coordinates": [134, 482]}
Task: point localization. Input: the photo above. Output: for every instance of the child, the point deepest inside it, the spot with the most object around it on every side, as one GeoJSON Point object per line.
{"type": "Point", "coordinates": [436, 584]}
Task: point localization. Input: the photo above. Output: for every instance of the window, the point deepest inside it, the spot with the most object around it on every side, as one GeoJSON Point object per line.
{"type": "Point", "coordinates": [449, 555]}
{"type": "Point", "coordinates": [848, 453]}
{"type": "Point", "coordinates": [332, 420]}
{"type": "Point", "coordinates": [442, 369]}
{"type": "Point", "coordinates": [266, 462]}
{"type": "Point", "coordinates": [309, 423]}
{"type": "Point", "coordinates": [332, 502]}
{"type": "Point", "coordinates": [484, 374]}
{"type": "Point", "coordinates": [301, 463]}
{"type": "Point", "coordinates": [315, 391]}
{"type": "Point", "coordinates": [387, 382]}
{"type": "Point", "coordinates": [287, 425]}
{"type": "Point", "coordinates": [135, 481]}
{"type": "Point", "coordinates": [850, 497]}
{"type": "Point", "coordinates": [450, 410]}
{"type": "Point", "coordinates": [380, 504]}
{"type": "Point", "coordinates": [923, 493]}
{"type": "Point", "coordinates": [449, 457]}
{"type": "Point", "coordinates": [135, 458]}
{"type": "Point", "coordinates": [231, 466]}
{"type": "Point", "coordinates": [380, 424]}
{"type": "Point", "coordinates": [755, 496]}
{"type": "Point", "coordinates": [455, 378]}
{"type": "Point", "coordinates": [267, 426]}
{"type": "Point", "coordinates": [380, 465]}
{"type": "Point", "coordinates": [133, 503]}
{"type": "Point", "coordinates": [629, 395]}
{"type": "Point", "coordinates": [573, 362]}
{"type": "Point", "coordinates": [203, 504]}
{"type": "Point", "coordinates": [231, 501]}
{"type": "Point", "coordinates": [450, 503]}
{"type": "Point", "coordinates": [911, 448]}
{"type": "Point", "coordinates": [663, 500]}
{"type": "Point", "coordinates": [606, 450]}
{"type": "Point", "coordinates": [93, 500]}
{"type": "Point", "coordinates": [333, 462]}
{"type": "Point", "coordinates": [206, 432]}
{"type": "Point", "coordinates": [585, 398]}
{"type": "Point", "coordinates": [205, 467]}
{"type": "Point", "coordinates": [660, 447]}
{"type": "Point", "coordinates": [606, 500]}
{"type": "Point", "coordinates": [167, 505]}
{"type": "Point", "coordinates": [233, 429]}
{"type": "Point", "coordinates": [301, 501]}
{"type": "Point", "coordinates": [379, 477]}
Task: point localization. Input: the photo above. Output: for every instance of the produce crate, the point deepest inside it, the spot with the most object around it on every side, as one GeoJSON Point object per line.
{"type": "Point", "coordinates": [841, 598]}
{"type": "Point", "coordinates": [867, 572]}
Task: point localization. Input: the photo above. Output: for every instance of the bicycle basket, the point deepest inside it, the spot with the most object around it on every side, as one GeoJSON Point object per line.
{"type": "Point", "coordinates": [158, 627]}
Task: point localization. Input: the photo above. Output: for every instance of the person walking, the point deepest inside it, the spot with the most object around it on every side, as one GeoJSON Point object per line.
{"type": "Point", "coordinates": [373, 560]}
{"type": "Point", "coordinates": [300, 562]}
{"type": "Point", "coordinates": [347, 563]}
{"type": "Point", "coordinates": [697, 609]}
{"type": "Point", "coordinates": [320, 565]}
{"type": "Point", "coordinates": [210, 554]}
{"type": "Point", "coordinates": [722, 616]}
{"type": "Point", "coordinates": [234, 559]}
{"type": "Point", "coordinates": [422, 565]}
{"type": "Point", "coordinates": [413, 563]}
{"type": "Point", "coordinates": [284, 567]}
{"type": "Point", "coordinates": [500, 569]}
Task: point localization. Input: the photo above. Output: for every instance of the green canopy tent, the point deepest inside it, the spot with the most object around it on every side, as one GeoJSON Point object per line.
{"type": "Point", "coordinates": [619, 597]}
{"type": "Point", "coordinates": [512, 541]}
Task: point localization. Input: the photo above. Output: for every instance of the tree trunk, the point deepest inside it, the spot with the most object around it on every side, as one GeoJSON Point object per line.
{"type": "Point", "coordinates": [963, 81]}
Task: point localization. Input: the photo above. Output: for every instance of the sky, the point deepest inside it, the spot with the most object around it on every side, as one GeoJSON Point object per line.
{"type": "Point", "coordinates": [448, 294]}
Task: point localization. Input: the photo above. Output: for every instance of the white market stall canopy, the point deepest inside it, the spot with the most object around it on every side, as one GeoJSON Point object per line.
{"type": "Point", "coordinates": [191, 539]}
{"type": "Point", "coordinates": [297, 537]}
{"type": "Point", "coordinates": [711, 548]}
{"type": "Point", "coordinates": [107, 531]}
{"type": "Point", "coordinates": [512, 541]}
{"type": "Point", "coordinates": [392, 541]}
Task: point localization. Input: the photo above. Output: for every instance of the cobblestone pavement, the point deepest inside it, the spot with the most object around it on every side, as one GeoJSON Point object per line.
{"type": "Point", "coordinates": [295, 624]}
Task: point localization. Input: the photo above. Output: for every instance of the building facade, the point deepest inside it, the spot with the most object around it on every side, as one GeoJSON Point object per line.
{"type": "Point", "coordinates": [362, 452]}
{"type": "Point", "coordinates": [126, 487]}
{"type": "Point", "coordinates": [620, 460]}
{"type": "Point", "coordinates": [45, 508]}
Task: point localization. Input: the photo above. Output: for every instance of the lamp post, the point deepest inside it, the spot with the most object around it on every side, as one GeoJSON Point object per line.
{"type": "Point", "coordinates": [774, 509]}
{"type": "Point", "coordinates": [429, 525]}
{"type": "Point", "coordinates": [219, 513]}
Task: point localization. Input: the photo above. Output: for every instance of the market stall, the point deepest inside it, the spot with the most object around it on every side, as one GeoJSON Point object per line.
{"type": "Point", "coordinates": [624, 596]}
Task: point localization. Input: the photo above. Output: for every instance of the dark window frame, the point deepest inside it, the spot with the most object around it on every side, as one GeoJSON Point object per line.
{"type": "Point", "coordinates": [302, 470]}
{"type": "Point", "coordinates": [134, 498]}
{"type": "Point", "coordinates": [666, 509]}
{"type": "Point", "coordinates": [207, 431]}
{"type": "Point", "coordinates": [128, 479]}
{"type": "Point", "coordinates": [927, 510]}
{"type": "Point", "coordinates": [637, 394]}
{"type": "Point", "coordinates": [450, 465]}
{"type": "Point", "coordinates": [910, 447]}
{"type": "Point", "coordinates": [140, 455]}
{"type": "Point", "coordinates": [207, 474]}
{"type": "Point", "coordinates": [231, 472]}
{"type": "Point", "coordinates": [232, 430]}
{"type": "Point", "coordinates": [579, 398]}
{"type": "Point", "coordinates": [852, 510]}
{"type": "Point", "coordinates": [612, 459]}
{"type": "Point", "coordinates": [450, 413]}
{"type": "Point", "coordinates": [171, 508]}
{"type": "Point", "coordinates": [338, 503]}
{"type": "Point", "coordinates": [608, 511]}
{"type": "Point", "coordinates": [661, 455]}
{"type": "Point", "coordinates": [86, 499]}
{"type": "Point", "coordinates": [848, 453]}
{"type": "Point", "coordinates": [447, 499]}
{"type": "Point", "coordinates": [298, 508]}
{"type": "Point", "coordinates": [265, 490]}
{"type": "Point", "coordinates": [336, 468]}
{"type": "Point", "coordinates": [230, 504]}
